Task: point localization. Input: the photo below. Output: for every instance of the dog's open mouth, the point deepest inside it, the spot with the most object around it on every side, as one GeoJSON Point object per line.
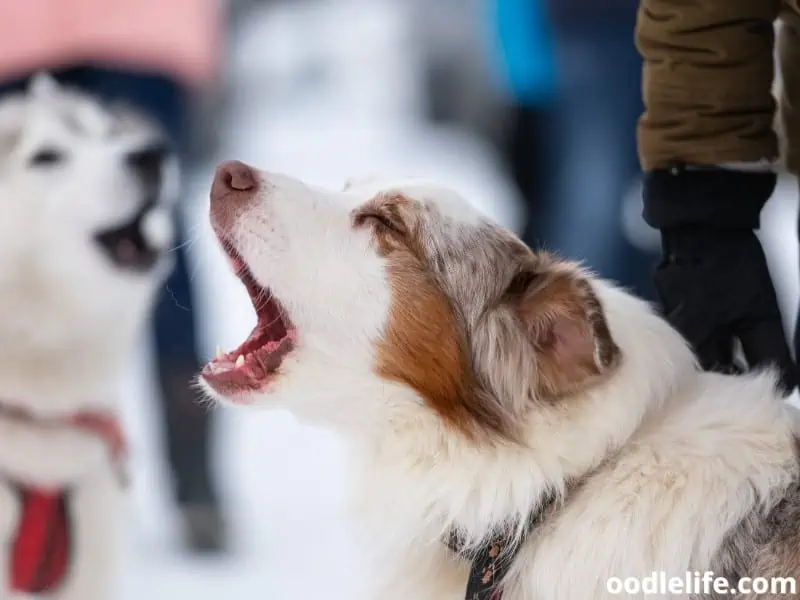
{"type": "Point", "coordinates": [127, 246]}
{"type": "Point", "coordinates": [250, 366]}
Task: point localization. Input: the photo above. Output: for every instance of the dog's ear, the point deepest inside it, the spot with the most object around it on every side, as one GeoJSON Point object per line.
{"type": "Point", "coordinates": [564, 321]}
{"type": "Point", "coordinates": [12, 117]}
{"type": "Point", "coordinates": [42, 84]}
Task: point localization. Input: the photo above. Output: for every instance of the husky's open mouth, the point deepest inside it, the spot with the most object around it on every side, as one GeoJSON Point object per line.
{"type": "Point", "coordinates": [249, 366]}
{"type": "Point", "coordinates": [132, 245]}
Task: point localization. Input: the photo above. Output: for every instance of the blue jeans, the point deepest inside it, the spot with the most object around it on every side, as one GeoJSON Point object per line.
{"type": "Point", "coordinates": [187, 423]}
{"type": "Point", "coordinates": [593, 139]}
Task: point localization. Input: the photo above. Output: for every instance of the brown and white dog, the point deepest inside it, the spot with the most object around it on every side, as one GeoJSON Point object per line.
{"type": "Point", "coordinates": [476, 381]}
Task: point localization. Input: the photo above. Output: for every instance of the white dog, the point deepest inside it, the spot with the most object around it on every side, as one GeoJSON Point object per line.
{"type": "Point", "coordinates": [83, 239]}
{"type": "Point", "coordinates": [517, 425]}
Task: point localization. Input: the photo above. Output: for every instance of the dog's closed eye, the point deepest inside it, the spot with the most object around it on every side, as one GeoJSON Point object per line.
{"type": "Point", "coordinates": [381, 220]}
{"type": "Point", "coordinates": [521, 283]}
{"type": "Point", "coordinates": [46, 157]}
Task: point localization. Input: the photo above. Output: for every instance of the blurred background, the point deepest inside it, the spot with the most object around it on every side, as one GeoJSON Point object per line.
{"type": "Point", "coordinates": [527, 107]}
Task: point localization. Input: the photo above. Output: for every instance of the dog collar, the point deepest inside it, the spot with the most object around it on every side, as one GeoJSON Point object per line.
{"type": "Point", "coordinates": [40, 549]}
{"type": "Point", "coordinates": [102, 424]}
{"type": "Point", "coordinates": [491, 561]}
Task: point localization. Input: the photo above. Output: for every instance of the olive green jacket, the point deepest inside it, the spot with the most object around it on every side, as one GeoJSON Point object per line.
{"type": "Point", "coordinates": [708, 76]}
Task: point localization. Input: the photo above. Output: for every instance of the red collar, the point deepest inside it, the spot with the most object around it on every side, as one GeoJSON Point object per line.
{"type": "Point", "coordinates": [107, 427]}
{"type": "Point", "coordinates": [102, 424]}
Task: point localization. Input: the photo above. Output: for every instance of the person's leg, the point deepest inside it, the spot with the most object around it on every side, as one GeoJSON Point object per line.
{"type": "Point", "coordinates": [594, 137]}
{"type": "Point", "coordinates": [789, 54]}
{"type": "Point", "coordinates": [187, 421]}
{"type": "Point", "coordinates": [525, 153]}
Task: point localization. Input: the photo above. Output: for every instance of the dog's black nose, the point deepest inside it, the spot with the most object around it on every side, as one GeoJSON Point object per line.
{"type": "Point", "coordinates": [148, 165]}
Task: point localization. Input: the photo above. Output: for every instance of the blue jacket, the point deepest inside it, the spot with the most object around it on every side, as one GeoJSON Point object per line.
{"type": "Point", "coordinates": [524, 49]}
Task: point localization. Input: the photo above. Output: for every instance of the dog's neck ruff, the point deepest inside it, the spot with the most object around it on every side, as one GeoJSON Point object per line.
{"type": "Point", "coordinates": [40, 547]}
{"type": "Point", "coordinates": [491, 560]}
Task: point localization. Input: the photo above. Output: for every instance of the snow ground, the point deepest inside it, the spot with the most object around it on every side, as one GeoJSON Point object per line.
{"type": "Point", "coordinates": [323, 111]}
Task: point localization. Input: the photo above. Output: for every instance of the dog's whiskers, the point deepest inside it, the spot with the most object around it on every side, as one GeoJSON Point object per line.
{"type": "Point", "coordinates": [263, 298]}
{"type": "Point", "coordinates": [193, 234]}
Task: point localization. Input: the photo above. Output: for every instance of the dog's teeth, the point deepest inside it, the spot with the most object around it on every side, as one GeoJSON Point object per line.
{"type": "Point", "coordinates": [219, 354]}
{"type": "Point", "coordinates": [239, 361]}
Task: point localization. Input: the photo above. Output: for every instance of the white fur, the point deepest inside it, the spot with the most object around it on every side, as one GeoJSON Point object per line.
{"type": "Point", "coordinates": [68, 317]}
{"type": "Point", "coordinates": [694, 451]}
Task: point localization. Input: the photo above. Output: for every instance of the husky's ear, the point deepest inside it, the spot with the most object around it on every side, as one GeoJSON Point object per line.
{"type": "Point", "coordinates": [564, 321]}
{"type": "Point", "coordinates": [42, 84]}
{"type": "Point", "coordinates": [12, 116]}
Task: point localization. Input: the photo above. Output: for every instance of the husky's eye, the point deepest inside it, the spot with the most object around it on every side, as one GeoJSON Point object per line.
{"type": "Point", "coordinates": [46, 157]}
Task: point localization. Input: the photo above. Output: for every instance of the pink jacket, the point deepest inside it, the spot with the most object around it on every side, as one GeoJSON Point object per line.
{"type": "Point", "coordinates": [177, 37]}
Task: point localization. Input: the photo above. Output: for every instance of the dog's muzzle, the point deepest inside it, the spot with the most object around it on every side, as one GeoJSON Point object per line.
{"type": "Point", "coordinates": [138, 244]}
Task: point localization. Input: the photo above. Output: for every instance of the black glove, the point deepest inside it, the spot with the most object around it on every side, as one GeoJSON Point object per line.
{"type": "Point", "coordinates": [713, 279]}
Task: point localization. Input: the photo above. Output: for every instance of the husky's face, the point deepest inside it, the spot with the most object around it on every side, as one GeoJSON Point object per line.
{"type": "Point", "coordinates": [84, 229]}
